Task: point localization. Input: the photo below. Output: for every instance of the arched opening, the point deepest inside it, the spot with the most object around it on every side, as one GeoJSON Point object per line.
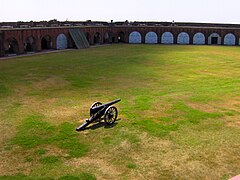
{"type": "Point", "coordinates": [135, 38]}
{"type": "Point", "coordinates": [183, 38]}
{"type": "Point", "coordinates": [121, 38]}
{"type": "Point", "coordinates": [46, 43]}
{"type": "Point", "coordinates": [106, 38]}
{"type": "Point", "coordinates": [97, 38]}
{"type": "Point", "coordinates": [30, 44]}
{"type": "Point", "coordinates": [151, 38]}
{"type": "Point", "coordinates": [230, 39]}
{"type": "Point", "coordinates": [167, 38]}
{"type": "Point", "coordinates": [199, 39]}
{"type": "Point", "coordinates": [12, 46]}
{"type": "Point", "coordinates": [61, 42]}
{"type": "Point", "coordinates": [214, 39]}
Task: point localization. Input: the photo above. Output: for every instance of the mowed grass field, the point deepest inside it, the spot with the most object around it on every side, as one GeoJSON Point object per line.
{"type": "Point", "coordinates": [179, 117]}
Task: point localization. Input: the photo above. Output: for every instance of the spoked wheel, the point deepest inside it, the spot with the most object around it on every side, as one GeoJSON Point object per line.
{"type": "Point", "coordinates": [110, 115]}
{"type": "Point", "coordinates": [94, 105]}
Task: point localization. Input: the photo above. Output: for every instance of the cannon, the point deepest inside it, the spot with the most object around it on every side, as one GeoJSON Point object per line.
{"type": "Point", "coordinates": [99, 110]}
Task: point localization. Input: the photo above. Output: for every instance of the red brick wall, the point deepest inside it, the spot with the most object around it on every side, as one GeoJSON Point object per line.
{"type": "Point", "coordinates": [22, 34]}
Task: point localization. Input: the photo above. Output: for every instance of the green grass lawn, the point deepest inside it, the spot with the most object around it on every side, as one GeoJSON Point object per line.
{"type": "Point", "coordinates": [179, 117]}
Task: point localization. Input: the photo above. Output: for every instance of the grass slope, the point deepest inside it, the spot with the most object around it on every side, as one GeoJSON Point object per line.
{"type": "Point", "coordinates": [178, 118]}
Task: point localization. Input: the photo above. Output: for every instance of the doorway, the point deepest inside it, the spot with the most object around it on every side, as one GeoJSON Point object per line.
{"type": "Point", "coordinates": [214, 40]}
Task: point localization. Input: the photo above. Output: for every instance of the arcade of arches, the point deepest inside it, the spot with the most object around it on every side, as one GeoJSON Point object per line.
{"type": "Point", "coordinates": [31, 43]}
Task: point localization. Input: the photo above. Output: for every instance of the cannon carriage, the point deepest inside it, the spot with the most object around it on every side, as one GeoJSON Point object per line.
{"type": "Point", "coordinates": [99, 110]}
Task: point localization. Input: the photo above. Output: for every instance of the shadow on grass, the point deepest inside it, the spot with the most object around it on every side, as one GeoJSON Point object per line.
{"type": "Point", "coordinates": [101, 124]}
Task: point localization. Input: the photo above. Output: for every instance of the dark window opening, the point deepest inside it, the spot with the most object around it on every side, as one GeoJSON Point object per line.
{"type": "Point", "coordinates": [121, 37]}
{"type": "Point", "coordinates": [30, 45]}
{"type": "Point", "coordinates": [12, 46]}
{"type": "Point", "coordinates": [11, 49]}
{"type": "Point", "coordinates": [46, 43]}
{"type": "Point", "coordinates": [106, 38]}
{"type": "Point", "coordinates": [113, 39]}
{"type": "Point", "coordinates": [214, 40]}
{"type": "Point", "coordinates": [96, 38]}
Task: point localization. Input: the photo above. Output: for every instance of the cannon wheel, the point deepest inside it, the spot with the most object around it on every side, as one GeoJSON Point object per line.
{"type": "Point", "coordinates": [94, 105]}
{"type": "Point", "coordinates": [110, 115]}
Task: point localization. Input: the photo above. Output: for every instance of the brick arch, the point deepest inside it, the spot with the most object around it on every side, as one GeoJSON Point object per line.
{"type": "Point", "coordinates": [112, 36]}
{"type": "Point", "coordinates": [214, 38]}
{"type": "Point", "coordinates": [30, 44]}
{"type": "Point", "coordinates": [97, 38]}
{"type": "Point", "coordinates": [183, 38]}
{"type": "Point", "coordinates": [135, 37]}
{"type": "Point", "coordinates": [106, 37]}
{"type": "Point", "coordinates": [199, 38]}
{"type": "Point", "coordinates": [230, 39]}
{"type": "Point", "coordinates": [61, 41]}
{"type": "Point", "coordinates": [11, 46]}
{"type": "Point", "coordinates": [167, 38]}
{"type": "Point", "coordinates": [121, 37]}
{"type": "Point", "coordinates": [151, 38]}
{"type": "Point", "coordinates": [46, 42]}
{"type": "Point", "coordinates": [20, 35]}
{"type": "Point", "coordinates": [124, 34]}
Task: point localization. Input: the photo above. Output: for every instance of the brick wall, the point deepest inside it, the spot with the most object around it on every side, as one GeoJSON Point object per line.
{"type": "Point", "coordinates": [112, 32]}
{"type": "Point", "coordinates": [1, 44]}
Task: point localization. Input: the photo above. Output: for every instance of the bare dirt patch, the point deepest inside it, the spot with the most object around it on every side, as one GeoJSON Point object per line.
{"type": "Point", "coordinates": [18, 160]}
{"type": "Point", "coordinates": [230, 104]}
{"type": "Point", "coordinates": [103, 168]}
{"type": "Point", "coordinates": [159, 159]}
{"type": "Point", "coordinates": [159, 109]}
{"type": "Point", "coordinates": [233, 121]}
{"type": "Point", "coordinates": [61, 114]}
{"type": "Point", "coordinates": [53, 82]}
{"type": "Point", "coordinates": [55, 114]}
{"type": "Point", "coordinates": [156, 158]}
{"type": "Point", "coordinates": [202, 107]}
{"type": "Point", "coordinates": [14, 162]}
{"type": "Point", "coordinates": [206, 72]}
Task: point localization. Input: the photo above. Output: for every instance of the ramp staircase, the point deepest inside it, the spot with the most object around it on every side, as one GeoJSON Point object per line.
{"type": "Point", "coordinates": [79, 38]}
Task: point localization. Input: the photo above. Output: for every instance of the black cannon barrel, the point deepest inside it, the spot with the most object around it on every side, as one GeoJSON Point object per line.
{"type": "Point", "coordinates": [82, 126]}
{"type": "Point", "coordinates": [106, 105]}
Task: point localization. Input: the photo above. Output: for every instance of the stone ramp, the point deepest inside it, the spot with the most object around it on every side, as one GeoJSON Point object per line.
{"type": "Point", "coordinates": [79, 38]}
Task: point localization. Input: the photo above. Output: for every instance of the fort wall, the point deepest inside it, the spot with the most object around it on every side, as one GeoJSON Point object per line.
{"type": "Point", "coordinates": [23, 40]}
